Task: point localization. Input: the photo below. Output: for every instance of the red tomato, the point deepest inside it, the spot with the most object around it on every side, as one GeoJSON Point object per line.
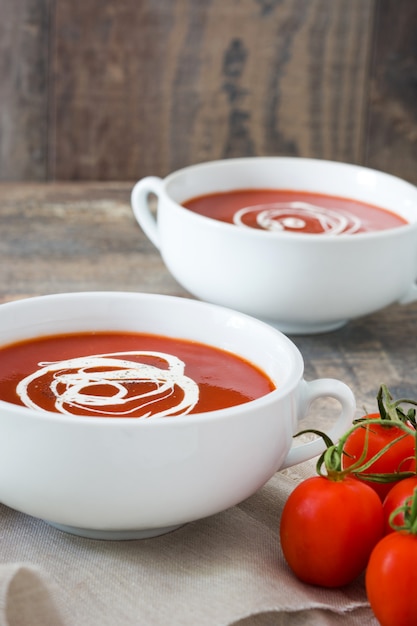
{"type": "Point", "coordinates": [329, 528]}
{"type": "Point", "coordinates": [410, 465]}
{"type": "Point", "coordinates": [379, 436]}
{"type": "Point", "coordinates": [391, 580]}
{"type": "Point", "coordinates": [395, 498]}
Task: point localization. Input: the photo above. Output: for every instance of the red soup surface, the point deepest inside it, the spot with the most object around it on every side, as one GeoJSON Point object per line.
{"type": "Point", "coordinates": [115, 374]}
{"type": "Point", "coordinates": [294, 211]}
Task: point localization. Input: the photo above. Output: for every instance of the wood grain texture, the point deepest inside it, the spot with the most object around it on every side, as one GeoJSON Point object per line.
{"type": "Point", "coordinates": [62, 237]}
{"type": "Point", "coordinates": [102, 90]}
{"type": "Point", "coordinates": [24, 38]}
{"type": "Point", "coordinates": [392, 133]}
{"type": "Point", "coordinates": [147, 87]}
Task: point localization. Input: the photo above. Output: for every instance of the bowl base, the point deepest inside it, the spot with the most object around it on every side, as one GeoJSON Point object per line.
{"type": "Point", "coordinates": [114, 535]}
{"type": "Point", "coordinates": [306, 328]}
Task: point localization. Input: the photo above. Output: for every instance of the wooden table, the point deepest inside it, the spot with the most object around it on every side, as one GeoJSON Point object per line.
{"type": "Point", "coordinates": [79, 237]}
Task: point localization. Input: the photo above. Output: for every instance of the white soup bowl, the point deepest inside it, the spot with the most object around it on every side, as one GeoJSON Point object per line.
{"type": "Point", "coordinates": [122, 478]}
{"type": "Point", "coordinates": [301, 283]}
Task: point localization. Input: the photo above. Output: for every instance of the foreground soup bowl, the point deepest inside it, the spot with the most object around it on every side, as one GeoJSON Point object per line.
{"type": "Point", "coordinates": [302, 283]}
{"type": "Point", "coordinates": [120, 478]}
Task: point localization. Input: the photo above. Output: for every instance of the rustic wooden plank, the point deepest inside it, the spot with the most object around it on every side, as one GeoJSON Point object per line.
{"type": "Point", "coordinates": [24, 34]}
{"type": "Point", "coordinates": [147, 87]}
{"type": "Point", "coordinates": [392, 133]}
{"type": "Point", "coordinates": [67, 237]}
{"type": "Point", "coordinates": [108, 64]}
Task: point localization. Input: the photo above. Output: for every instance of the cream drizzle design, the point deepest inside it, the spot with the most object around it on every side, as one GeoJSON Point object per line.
{"type": "Point", "coordinates": [72, 380]}
{"type": "Point", "coordinates": [294, 216]}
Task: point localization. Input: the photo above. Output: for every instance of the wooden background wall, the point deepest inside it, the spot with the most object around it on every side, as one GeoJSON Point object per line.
{"type": "Point", "coordinates": [118, 89]}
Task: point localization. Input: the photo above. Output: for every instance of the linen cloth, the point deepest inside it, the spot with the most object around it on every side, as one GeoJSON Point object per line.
{"type": "Point", "coordinates": [221, 571]}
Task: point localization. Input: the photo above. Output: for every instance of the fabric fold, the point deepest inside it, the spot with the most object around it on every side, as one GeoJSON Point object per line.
{"type": "Point", "coordinates": [25, 597]}
{"type": "Point", "coordinates": [225, 570]}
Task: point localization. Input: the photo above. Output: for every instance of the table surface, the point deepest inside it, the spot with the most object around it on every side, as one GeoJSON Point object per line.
{"type": "Point", "coordinates": [82, 236]}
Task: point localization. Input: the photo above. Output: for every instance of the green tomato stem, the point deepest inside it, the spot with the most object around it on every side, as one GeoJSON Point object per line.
{"type": "Point", "coordinates": [331, 458]}
{"type": "Point", "coordinates": [389, 409]}
{"type": "Point", "coordinates": [409, 510]}
{"type": "Point", "coordinates": [391, 415]}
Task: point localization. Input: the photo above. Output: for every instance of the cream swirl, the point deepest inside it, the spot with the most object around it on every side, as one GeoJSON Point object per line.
{"type": "Point", "coordinates": [297, 217]}
{"type": "Point", "coordinates": [99, 384]}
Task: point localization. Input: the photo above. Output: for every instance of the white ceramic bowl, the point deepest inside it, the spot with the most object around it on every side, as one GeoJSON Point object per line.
{"type": "Point", "coordinates": [119, 478]}
{"type": "Point", "coordinates": [302, 283]}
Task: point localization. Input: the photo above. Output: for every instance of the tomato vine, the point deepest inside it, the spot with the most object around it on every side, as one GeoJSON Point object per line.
{"type": "Point", "coordinates": [332, 522]}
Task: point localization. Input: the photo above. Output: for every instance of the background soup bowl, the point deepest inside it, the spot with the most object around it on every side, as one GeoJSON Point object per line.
{"type": "Point", "coordinates": [120, 478]}
{"type": "Point", "coordinates": [302, 283]}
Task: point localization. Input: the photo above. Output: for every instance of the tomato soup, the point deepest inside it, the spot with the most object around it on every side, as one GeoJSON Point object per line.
{"type": "Point", "coordinates": [115, 374]}
{"type": "Point", "coordinates": [294, 211]}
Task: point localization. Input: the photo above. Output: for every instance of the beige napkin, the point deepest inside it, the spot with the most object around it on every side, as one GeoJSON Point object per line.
{"type": "Point", "coordinates": [224, 570]}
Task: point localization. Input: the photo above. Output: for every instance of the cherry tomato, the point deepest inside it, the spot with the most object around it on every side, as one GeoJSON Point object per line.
{"type": "Point", "coordinates": [329, 528]}
{"type": "Point", "coordinates": [378, 436]}
{"type": "Point", "coordinates": [395, 498]}
{"type": "Point", "coordinates": [391, 580]}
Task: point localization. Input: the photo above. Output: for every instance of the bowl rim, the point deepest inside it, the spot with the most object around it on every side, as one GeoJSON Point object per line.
{"type": "Point", "coordinates": [180, 421]}
{"type": "Point", "coordinates": [299, 161]}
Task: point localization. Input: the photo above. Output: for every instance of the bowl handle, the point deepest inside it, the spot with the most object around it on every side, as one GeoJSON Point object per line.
{"type": "Point", "coordinates": [142, 208]}
{"type": "Point", "coordinates": [310, 391]}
